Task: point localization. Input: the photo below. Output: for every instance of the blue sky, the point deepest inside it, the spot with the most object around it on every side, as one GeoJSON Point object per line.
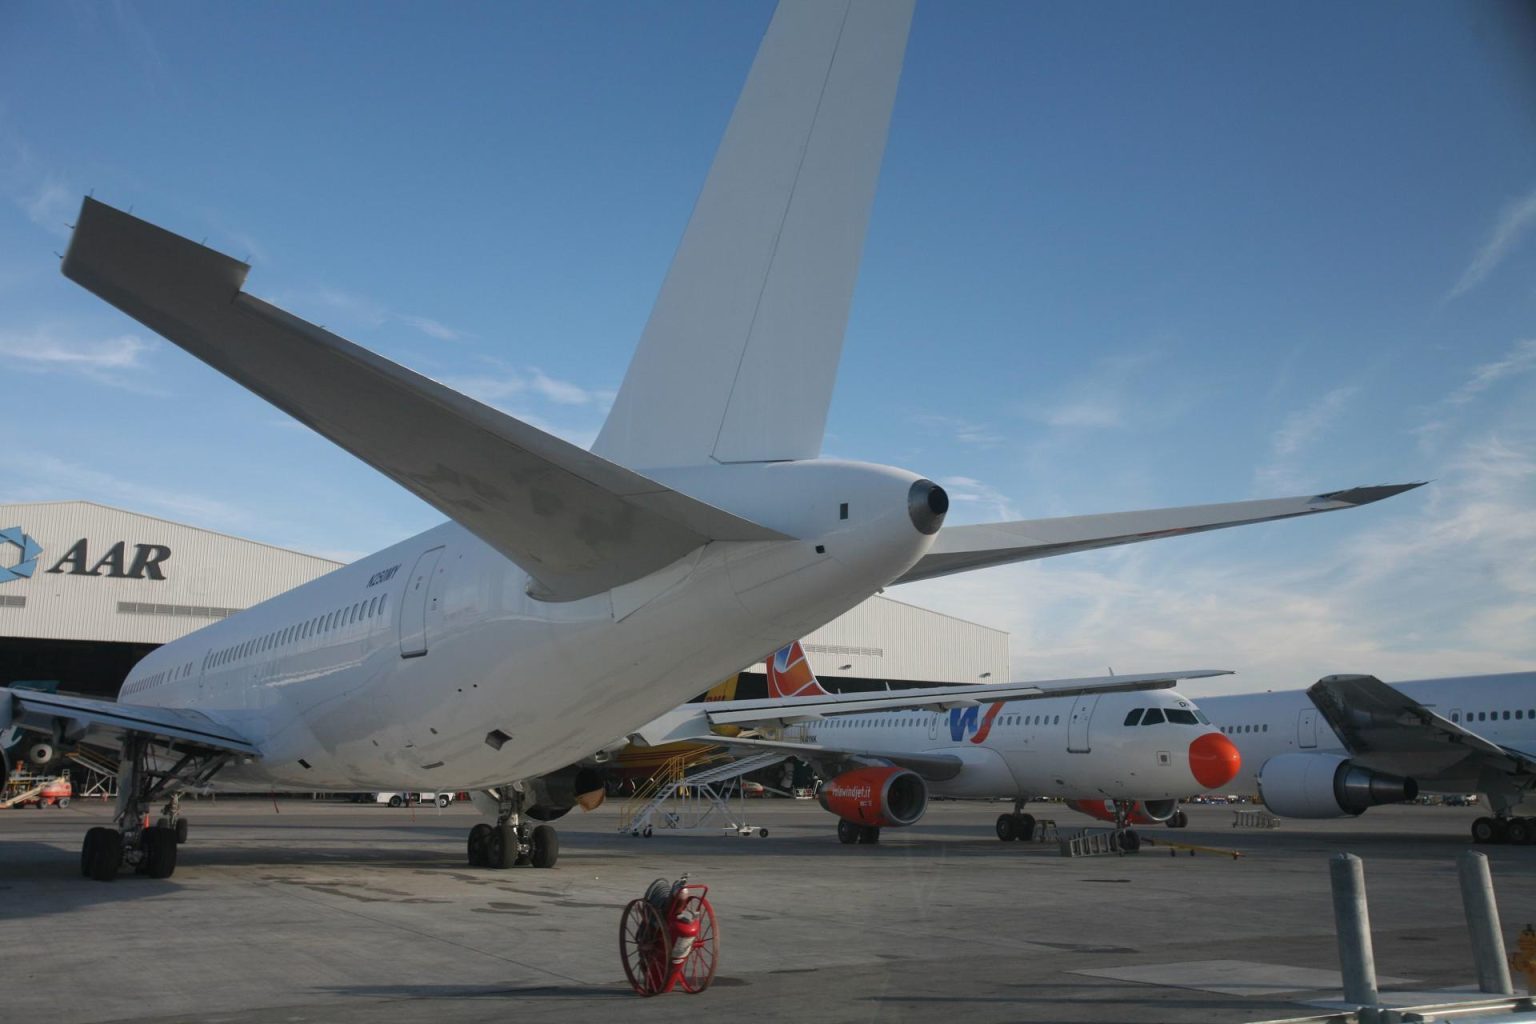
{"type": "Point", "coordinates": [1122, 256]}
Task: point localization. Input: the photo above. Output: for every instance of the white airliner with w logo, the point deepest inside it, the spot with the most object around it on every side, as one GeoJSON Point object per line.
{"type": "Point", "coordinates": [573, 595]}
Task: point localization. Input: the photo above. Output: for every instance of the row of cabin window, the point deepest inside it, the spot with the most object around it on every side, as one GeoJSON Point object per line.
{"type": "Point", "coordinates": [1493, 716]}
{"type": "Point", "coordinates": [1157, 716]}
{"type": "Point", "coordinates": [1233, 730]}
{"type": "Point", "coordinates": [845, 723]}
{"type": "Point", "coordinates": [312, 627]}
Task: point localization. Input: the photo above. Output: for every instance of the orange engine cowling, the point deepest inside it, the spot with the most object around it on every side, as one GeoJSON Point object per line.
{"type": "Point", "coordinates": [1143, 812]}
{"type": "Point", "coordinates": [877, 796]}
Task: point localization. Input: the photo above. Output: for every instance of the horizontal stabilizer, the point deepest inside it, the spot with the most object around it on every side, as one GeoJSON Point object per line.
{"type": "Point", "coordinates": [577, 523]}
{"type": "Point", "coordinates": [963, 548]}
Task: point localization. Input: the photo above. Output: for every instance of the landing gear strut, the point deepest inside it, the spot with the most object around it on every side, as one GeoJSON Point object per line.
{"type": "Point", "coordinates": [149, 850]}
{"type": "Point", "coordinates": [1017, 825]}
{"type": "Point", "coordinates": [1126, 839]}
{"type": "Point", "coordinates": [512, 841]}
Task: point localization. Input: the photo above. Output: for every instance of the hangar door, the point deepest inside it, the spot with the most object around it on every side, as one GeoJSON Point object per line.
{"type": "Point", "coordinates": [413, 608]}
{"type": "Point", "coordinates": [1077, 723]}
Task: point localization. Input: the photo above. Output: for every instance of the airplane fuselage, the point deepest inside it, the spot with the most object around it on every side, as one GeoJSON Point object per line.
{"type": "Point", "coordinates": [429, 666]}
{"type": "Point", "coordinates": [1069, 747]}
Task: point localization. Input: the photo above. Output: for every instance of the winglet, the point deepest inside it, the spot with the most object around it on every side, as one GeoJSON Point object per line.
{"type": "Point", "coordinates": [1366, 495]}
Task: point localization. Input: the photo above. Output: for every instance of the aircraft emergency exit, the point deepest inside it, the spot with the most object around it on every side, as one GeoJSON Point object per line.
{"type": "Point", "coordinates": [573, 594]}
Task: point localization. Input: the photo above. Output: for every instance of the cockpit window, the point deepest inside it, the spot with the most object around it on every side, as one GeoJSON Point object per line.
{"type": "Point", "coordinates": [1179, 716]}
{"type": "Point", "coordinates": [1133, 717]}
{"type": "Point", "coordinates": [1154, 716]}
{"type": "Point", "coordinates": [1200, 717]}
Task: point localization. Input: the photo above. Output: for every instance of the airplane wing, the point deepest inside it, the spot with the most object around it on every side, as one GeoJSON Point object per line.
{"type": "Point", "coordinates": [963, 548]}
{"type": "Point", "coordinates": [695, 721]}
{"type": "Point", "coordinates": [575, 522]}
{"type": "Point", "coordinates": [77, 718]}
{"type": "Point", "coordinates": [933, 767]}
{"type": "Point", "coordinates": [1382, 727]}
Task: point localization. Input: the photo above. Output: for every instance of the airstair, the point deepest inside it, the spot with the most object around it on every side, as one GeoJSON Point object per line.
{"type": "Point", "coordinates": [100, 775]}
{"type": "Point", "coordinates": [681, 800]}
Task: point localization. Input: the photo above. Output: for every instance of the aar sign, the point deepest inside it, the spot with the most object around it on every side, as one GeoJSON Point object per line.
{"type": "Point", "coordinates": [145, 563]}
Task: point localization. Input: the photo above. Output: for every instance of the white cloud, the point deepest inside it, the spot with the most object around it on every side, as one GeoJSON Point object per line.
{"type": "Point", "coordinates": [1519, 360]}
{"type": "Point", "coordinates": [964, 431]}
{"type": "Point", "coordinates": [112, 361]}
{"type": "Point", "coordinates": [38, 476]}
{"type": "Point", "coordinates": [49, 205]}
{"type": "Point", "coordinates": [986, 502]}
{"type": "Point", "coordinates": [1301, 429]}
{"type": "Point", "coordinates": [1514, 221]}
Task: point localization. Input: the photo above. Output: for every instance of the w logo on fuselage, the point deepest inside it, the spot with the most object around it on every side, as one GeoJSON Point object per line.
{"type": "Point", "coordinates": [964, 721]}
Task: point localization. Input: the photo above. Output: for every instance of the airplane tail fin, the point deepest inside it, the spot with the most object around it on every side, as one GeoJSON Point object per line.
{"type": "Point", "coordinates": [738, 359]}
{"type": "Point", "coordinates": [790, 675]}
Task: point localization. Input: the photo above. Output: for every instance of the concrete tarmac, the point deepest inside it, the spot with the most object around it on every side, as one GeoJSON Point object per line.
{"type": "Point", "coordinates": [306, 911]}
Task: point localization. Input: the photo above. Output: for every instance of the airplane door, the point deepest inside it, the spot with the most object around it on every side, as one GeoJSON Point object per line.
{"type": "Point", "coordinates": [1077, 723]}
{"type": "Point", "coordinates": [933, 724]}
{"type": "Point", "coordinates": [413, 609]}
{"type": "Point", "coordinates": [1306, 729]}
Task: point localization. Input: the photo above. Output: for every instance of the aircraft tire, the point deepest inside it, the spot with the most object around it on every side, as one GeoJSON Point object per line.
{"type": "Point", "coordinates": [1005, 827]}
{"type": "Point", "coordinates": [106, 853]}
{"type": "Point", "coordinates": [159, 853]}
{"type": "Point", "coordinates": [869, 834]}
{"type": "Point", "coordinates": [88, 849]}
{"type": "Point", "coordinates": [1519, 832]}
{"type": "Point", "coordinates": [847, 832]}
{"type": "Point", "coordinates": [546, 847]}
{"type": "Point", "coordinates": [1024, 828]}
{"type": "Point", "coordinates": [479, 846]}
{"type": "Point", "coordinates": [1486, 830]}
{"type": "Point", "coordinates": [501, 850]}
{"type": "Point", "coordinates": [181, 830]}
{"type": "Point", "coordinates": [1129, 841]}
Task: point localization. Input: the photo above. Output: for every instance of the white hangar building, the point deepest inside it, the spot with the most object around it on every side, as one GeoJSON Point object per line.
{"type": "Point", "coordinates": [87, 590]}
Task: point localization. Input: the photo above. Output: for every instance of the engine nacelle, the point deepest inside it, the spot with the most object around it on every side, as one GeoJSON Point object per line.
{"type": "Point", "coordinates": [1143, 812]}
{"type": "Point", "coordinates": [877, 796]}
{"type": "Point", "coordinates": [556, 793]}
{"type": "Point", "coordinates": [42, 754]}
{"type": "Point", "coordinates": [1327, 786]}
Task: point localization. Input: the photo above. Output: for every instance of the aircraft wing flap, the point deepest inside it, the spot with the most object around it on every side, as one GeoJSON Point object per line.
{"type": "Point", "coordinates": [794, 709]}
{"type": "Point", "coordinates": [933, 767]}
{"type": "Point", "coordinates": [1374, 719]}
{"type": "Point", "coordinates": [577, 523]}
{"type": "Point", "coordinates": [42, 712]}
{"type": "Point", "coordinates": [963, 548]}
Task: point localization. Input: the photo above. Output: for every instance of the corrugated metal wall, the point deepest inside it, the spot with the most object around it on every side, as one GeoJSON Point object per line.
{"type": "Point", "coordinates": [885, 639]}
{"type": "Point", "coordinates": [207, 575]}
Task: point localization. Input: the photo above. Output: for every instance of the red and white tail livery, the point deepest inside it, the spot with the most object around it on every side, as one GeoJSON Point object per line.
{"type": "Point", "coordinates": [790, 675]}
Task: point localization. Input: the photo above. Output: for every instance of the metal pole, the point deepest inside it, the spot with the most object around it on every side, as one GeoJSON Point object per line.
{"type": "Point", "coordinates": [1352, 923]}
{"type": "Point", "coordinates": [1483, 922]}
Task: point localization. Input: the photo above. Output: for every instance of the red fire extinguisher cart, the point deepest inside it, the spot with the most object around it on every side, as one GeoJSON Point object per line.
{"type": "Point", "coordinates": [668, 938]}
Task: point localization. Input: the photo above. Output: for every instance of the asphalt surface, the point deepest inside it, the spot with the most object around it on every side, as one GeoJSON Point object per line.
{"type": "Point", "coordinates": [306, 911]}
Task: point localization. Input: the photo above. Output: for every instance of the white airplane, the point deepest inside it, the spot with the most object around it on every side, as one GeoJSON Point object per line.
{"type": "Point", "coordinates": [574, 594]}
{"type": "Point", "coordinates": [1127, 756]}
{"type": "Point", "coordinates": [1351, 742]}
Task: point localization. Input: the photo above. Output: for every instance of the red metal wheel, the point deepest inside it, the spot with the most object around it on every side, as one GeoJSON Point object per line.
{"type": "Point", "coordinates": [643, 947]}
{"type": "Point", "coordinates": [699, 969]}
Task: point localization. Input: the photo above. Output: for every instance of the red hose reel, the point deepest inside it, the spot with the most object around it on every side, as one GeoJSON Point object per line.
{"type": "Point", "coordinates": [668, 938]}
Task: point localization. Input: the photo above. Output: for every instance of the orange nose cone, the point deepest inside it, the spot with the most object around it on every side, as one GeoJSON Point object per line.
{"type": "Point", "coordinates": [1214, 761]}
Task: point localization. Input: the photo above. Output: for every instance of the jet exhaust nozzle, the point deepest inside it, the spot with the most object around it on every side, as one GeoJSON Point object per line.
{"type": "Point", "coordinates": [926, 504]}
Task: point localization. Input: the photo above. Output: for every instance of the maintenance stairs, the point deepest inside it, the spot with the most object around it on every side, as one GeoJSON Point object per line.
{"type": "Point", "coordinates": [696, 800]}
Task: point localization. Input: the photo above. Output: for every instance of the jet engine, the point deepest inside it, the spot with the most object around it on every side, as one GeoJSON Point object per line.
{"type": "Point", "coordinates": [1327, 786]}
{"type": "Point", "coordinates": [556, 793]}
{"type": "Point", "coordinates": [42, 754]}
{"type": "Point", "coordinates": [877, 796]}
{"type": "Point", "coordinates": [1143, 812]}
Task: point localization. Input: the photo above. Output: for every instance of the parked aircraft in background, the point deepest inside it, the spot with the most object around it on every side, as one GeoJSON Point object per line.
{"type": "Point", "coordinates": [1351, 742]}
{"type": "Point", "coordinates": [882, 754]}
{"type": "Point", "coordinates": [575, 594]}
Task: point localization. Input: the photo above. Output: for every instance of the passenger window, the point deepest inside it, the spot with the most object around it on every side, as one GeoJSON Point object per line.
{"type": "Point", "coordinates": [373, 607]}
{"type": "Point", "coordinates": [1506, 716]}
{"type": "Point", "coordinates": [1518, 713]}
{"type": "Point", "coordinates": [1133, 717]}
{"type": "Point", "coordinates": [1056, 720]}
{"type": "Point", "coordinates": [1265, 727]}
{"type": "Point", "coordinates": [1154, 716]}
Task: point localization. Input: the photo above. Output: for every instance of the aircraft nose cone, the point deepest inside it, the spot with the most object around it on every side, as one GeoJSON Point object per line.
{"type": "Point", "coordinates": [1214, 761]}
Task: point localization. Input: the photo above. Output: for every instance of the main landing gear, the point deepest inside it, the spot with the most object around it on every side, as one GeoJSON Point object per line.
{"type": "Point", "coordinates": [1017, 825]}
{"type": "Point", "coordinates": [849, 833]}
{"type": "Point", "coordinates": [148, 849]}
{"type": "Point", "coordinates": [1506, 828]}
{"type": "Point", "coordinates": [512, 841]}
